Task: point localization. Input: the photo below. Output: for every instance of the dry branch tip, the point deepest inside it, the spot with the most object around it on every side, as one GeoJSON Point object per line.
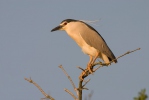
{"type": "Point", "coordinates": [41, 90]}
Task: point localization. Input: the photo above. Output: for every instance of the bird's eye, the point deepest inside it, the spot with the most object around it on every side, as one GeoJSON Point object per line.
{"type": "Point", "coordinates": [65, 23]}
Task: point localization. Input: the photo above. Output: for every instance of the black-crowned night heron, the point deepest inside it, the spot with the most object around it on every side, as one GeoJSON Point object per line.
{"type": "Point", "coordinates": [88, 39]}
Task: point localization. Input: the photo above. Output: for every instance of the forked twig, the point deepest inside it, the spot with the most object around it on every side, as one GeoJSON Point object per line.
{"type": "Point", "coordinates": [72, 83]}
{"type": "Point", "coordinates": [41, 90]}
{"type": "Point", "coordinates": [86, 83]}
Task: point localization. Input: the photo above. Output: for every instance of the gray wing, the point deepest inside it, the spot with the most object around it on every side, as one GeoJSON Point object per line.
{"type": "Point", "coordinates": [94, 39]}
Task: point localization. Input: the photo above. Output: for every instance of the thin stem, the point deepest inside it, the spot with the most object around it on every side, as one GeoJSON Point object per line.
{"type": "Point", "coordinates": [71, 94]}
{"type": "Point", "coordinates": [72, 83]}
{"type": "Point", "coordinates": [80, 89]}
{"type": "Point", "coordinates": [41, 90]}
{"type": "Point", "coordinates": [68, 76]}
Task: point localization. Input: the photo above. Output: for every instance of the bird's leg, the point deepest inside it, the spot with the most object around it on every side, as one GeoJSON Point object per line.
{"type": "Point", "coordinates": [89, 65]}
{"type": "Point", "coordinates": [92, 61]}
{"type": "Point", "coordinates": [88, 69]}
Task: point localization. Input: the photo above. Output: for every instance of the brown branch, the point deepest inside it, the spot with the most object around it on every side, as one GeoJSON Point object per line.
{"type": "Point", "coordinates": [41, 90]}
{"type": "Point", "coordinates": [80, 90]}
{"type": "Point", "coordinates": [85, 72]}
{"type": "Point", "coordinates": [80, 68]}
{"type": "Point", "coordinates": [75, 98]}
{"type": "Point", "coordinates": [85, 84]}
{"type": "Point", "coordinates": [72, 83]}
{"type": "Point", "coordinates": [128, 52]}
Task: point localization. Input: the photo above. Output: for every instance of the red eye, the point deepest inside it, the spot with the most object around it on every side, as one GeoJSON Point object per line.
{"type": "Point", "coordinates": [65, 23]}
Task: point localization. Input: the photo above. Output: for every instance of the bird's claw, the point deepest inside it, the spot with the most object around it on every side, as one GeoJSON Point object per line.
{"type": "Point", "coordinates": [81, 77]}
{"type": "Point", "coordinates": [104, 64]}
{"type": "Point", "coordinates": [87, 71]}
{"type": "Point", "coordinates": [90, 69]}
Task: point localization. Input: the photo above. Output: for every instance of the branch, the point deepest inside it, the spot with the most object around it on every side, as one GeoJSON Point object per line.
{"type": "Point", "coordinates": [80, 90]}
{"type": "Point", "coordinates": [128, 52]}
{"type": "Point", "coordinates": [85, 84]}
{"type": "Point", "coordinates": [72, 83]}
{"type": "Point", "coordinates": [41, 90]}
{"type": "Point", "coordinates": [68, 77]}
{"type": "Point", "coordinates": [71, 94]}
{"type": "Point", "coordinates": [85, 72]}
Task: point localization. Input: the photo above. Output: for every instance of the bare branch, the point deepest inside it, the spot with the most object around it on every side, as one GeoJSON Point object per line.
{"type": "Point", "coordinates": [86, 83]}
{"type": "Point", "coordinates": [75, 98]}
{"type": "Point", "coordinates": [80, 68]}
{"type": "Point", "coordinates": [86, 72]}
{"type": "Point", "coordinates": [128, 52]}
{"type": "Point", "coordinates": [41, 90]}
{"type": "Point", "coordinates": [80, 89]}
{"type": "Point", "coordinates": [67, 76]}
{"type": "Point", "coordinates": [72, 83]}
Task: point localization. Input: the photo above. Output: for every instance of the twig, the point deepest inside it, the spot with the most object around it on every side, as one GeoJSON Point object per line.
{"type": "Point", "coordinates": [86, 83]}
{"type": "Point", "coordinates": [128, 52]}
{"type": "Point", "coordinates": [41, 90]}
{"type": "Point", "coordinates": [75, 98]}
{"type": "Point", "coordinates": [80, 68]}
{"type": "Point", "coordinates": [72, 83]}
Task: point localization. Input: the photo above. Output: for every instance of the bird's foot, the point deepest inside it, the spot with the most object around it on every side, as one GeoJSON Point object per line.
{"type": "Point", "coordinates": [83, 75]}
{"type": "Point", "coordinates": [86, 72]}
{"type": "Point", "coordinates": [104, 64]}
{"type": "Point", "coordinates": [90, 68]}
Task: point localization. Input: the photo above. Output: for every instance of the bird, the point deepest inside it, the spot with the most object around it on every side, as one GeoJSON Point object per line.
{"type": "Point", "coordinates": [89, 40]}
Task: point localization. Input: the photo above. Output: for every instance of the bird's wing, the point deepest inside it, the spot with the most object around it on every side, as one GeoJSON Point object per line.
{"type": "Point", "coordinates": [94, 39]}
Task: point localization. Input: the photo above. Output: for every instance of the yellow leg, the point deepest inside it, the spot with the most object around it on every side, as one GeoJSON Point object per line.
{"type": "Point", "coordinates": [91, 62]}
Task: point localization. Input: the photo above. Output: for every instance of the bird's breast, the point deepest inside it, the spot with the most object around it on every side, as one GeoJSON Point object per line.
{"type": "Point", "coordinates": [87, 49]}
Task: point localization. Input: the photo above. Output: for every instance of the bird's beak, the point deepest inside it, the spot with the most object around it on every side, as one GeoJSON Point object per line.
{"type": "Point", "coordinates": [56, 28]}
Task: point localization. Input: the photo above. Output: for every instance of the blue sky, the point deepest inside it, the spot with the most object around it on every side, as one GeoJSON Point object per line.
{"type": "Point", "coordinates": [29, 49]}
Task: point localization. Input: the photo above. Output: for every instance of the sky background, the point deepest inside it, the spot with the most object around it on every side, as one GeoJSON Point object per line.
{"type": "Point", "coordinates": [28, 48]}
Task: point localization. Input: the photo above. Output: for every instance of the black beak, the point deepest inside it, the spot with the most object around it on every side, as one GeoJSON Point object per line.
{"type": "Point", "coordinates": [56, 28]}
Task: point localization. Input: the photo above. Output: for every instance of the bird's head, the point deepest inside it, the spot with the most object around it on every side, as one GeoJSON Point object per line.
{"type": "Point", "coordinates": [64, 25]}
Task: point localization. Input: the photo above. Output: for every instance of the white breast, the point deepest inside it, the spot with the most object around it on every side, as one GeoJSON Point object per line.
{"type": "Point", "coordinates": [87, 49]}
